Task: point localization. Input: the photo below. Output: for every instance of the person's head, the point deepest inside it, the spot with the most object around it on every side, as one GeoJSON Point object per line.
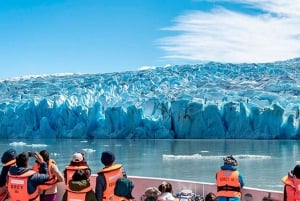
{"type": "Point", "coordinates": [210, 197]}
{"type": "Point", "coordinates": [151, 194]}
{"type": "Point", "coordinates": [79, 175]}
{"type": "Point", "coordinates": [165, 187]}
{"type": "Point", "coordinates": [9, 157]}
{"type": "Point", "coordinates": [22, 159]}
{"type": "Point", "coordinates": [107, 158]}
{"type": "Point", "coordinates": [230, 160]}
{"type": "Point", "coordinates": [296, 171]}
{"type": "Point", "coordinates": [78, 157]}
{"type": "Point", "coordinates": [45, 155]}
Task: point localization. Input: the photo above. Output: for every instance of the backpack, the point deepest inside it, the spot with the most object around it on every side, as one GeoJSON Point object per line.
{"type": "Point", "coordinates": [124, 187]}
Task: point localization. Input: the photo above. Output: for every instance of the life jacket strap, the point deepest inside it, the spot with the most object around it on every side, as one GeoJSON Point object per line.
{"type": "Point", "coordinates": [229, 188]}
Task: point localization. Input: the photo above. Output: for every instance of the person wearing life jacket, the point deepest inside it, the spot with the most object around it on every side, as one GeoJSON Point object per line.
{"type": "Point", "coordinates": [107, 178]}
{"type": "Point", "coordinates": [79, 188]}
{"type": "Point", "coordinates": [22, 182]}
{"type": "Point", "coordinates": [48, 190]}
{"type": "Point", "coordinates": [77, 163]}
{"type": "Point", "coordinates": [8, 159]}
{"type": "Point", "coordinates": [291, 183]}
{"type": "Point", "coordinates": [229, 181]}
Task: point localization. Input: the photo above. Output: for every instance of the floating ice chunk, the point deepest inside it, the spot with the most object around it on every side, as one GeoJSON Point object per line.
{"type": "Point", "coordinates": [17, 144]}
{"type": "Point", "coordinates": [89, 150]}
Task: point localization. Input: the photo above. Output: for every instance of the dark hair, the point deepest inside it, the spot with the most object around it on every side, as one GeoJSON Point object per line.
{"type": "Point", "coordinates": [165, 187]}
{"type": "Point", "coordinates": [107, 158]}
{"type": "Point", "coordinates": [230, 160]}
{"type": "Point", "coordinates": [210, 197]}
{"type": "Point", "coordinates": [45, 155]}
{"type": "Point", "coordinates": [296, 171]}
{"type": "Point", "coordinates": [79, 175]}
{"type": "Point", "coordinates": [22, 159]}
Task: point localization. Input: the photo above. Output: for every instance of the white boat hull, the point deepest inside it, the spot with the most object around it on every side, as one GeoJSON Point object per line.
{"type": "Point", "coordinates": [199, 188]}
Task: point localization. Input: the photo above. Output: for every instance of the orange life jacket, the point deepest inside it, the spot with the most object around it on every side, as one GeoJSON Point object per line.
{"type": "Point", "coordinates": [111, 174]}
{"type": "Point", "coordinates": [53, 179]}
{"type": "Point", "coordinates": [4, 194]}
{"type": "Point", "coordinates": [228, 184]}
{"type": "Point", "coordinates": [289, 188]}
{"type": "Point", "coordinates": [70, 170]}
{"type": "Point", "coordinates": [77, 195]}
{"type": "Point", "coordinates": [17, 187]}
{"type": "Point", "coordinates": [297, 189]}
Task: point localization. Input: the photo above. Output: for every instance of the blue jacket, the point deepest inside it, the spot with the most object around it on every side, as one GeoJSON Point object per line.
{"type": "Point", "coordinates": [233, 168]}
{"type": "Point", "coordinates": [3, 175]}
{"type": "Point", "coordinates": [34, 180]}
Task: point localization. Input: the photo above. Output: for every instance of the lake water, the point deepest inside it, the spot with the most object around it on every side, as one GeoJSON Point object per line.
{"type": "Point", "coordinates": [262, 162]}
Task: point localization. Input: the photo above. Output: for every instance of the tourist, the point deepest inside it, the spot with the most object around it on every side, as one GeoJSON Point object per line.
{"type": "Point", "coordinates": [78, 162]}
{"type": "Point", "coordinates": [8, 159]}
{"type": "Point", "coordinates": [166, 192]}
{"type": "Point", "coordinates": [151, 194]}
{"type": "Point", "coordinates": [20, 176]}
{"type": "Point", "coordinates": [48, 190]}
{"type": "Point", "coordinates": [291, 182]}
{"type": "Point", "coordinates": [210, 197]}
{"type": "Point", "coordinates": [104, 186]}
{"type": "Point", "coordinates": [229, 181]}
{"type": "Point", "coordinates": [79, 188]}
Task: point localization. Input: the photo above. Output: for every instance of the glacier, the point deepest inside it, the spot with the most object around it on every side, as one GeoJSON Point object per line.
{"type": "Point", "coordinates": [202, 101]}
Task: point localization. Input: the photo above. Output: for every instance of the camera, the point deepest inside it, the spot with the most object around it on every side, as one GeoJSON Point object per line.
{"type": "Point", "coordinates": [30, 154]}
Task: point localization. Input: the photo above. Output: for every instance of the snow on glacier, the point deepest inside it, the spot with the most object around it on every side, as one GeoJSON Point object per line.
{"type": "Point", "coordinates": [211, 100]}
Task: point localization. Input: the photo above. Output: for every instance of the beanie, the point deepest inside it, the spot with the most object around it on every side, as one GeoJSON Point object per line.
{"type": "Point", "coordinates": [107, 158]}
{"type": "Point", "coordinates": [8, 156]}
{"type": "Point", "coordinates": [296, 171]}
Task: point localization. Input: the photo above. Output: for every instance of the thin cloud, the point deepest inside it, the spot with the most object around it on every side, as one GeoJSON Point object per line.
{"type": "Point", "coordinates": [229, 36]}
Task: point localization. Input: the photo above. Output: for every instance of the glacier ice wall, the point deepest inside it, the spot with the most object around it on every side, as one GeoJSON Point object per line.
{"type": "Point", "coordinates": [212, 100]}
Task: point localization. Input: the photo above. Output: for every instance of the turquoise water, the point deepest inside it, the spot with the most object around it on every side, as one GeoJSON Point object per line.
{"type": "Point", "coordinates": [262, 162]}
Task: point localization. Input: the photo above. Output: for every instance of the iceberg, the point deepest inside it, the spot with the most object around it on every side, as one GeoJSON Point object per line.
{"type": "Point", "coordinates": [204, 101]}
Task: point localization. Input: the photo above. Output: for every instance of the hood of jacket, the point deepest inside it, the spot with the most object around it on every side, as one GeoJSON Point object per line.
{"type": "Point", "coordinates": [229, 167]}
{"type": "Point", "coordinates": [78, 185]}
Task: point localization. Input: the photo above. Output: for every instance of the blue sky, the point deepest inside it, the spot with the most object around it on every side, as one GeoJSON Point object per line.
{"type": "Point", "coordinates": [98, 36]}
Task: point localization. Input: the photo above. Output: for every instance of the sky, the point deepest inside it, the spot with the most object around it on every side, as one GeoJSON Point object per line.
{"type": "Point", "coordinates": [99, 36]}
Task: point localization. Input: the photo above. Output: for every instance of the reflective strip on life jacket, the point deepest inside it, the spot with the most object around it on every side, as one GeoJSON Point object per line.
{"type": "Point", "coordinates": [111, 174]}
{"type": "Point", "coordinates": [17, 187]}
{"type": "Point", "coordinates": [228, 184]}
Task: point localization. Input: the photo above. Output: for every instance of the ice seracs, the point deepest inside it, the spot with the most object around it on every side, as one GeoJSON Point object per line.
{"type": "Point", "coordinates": [211, 100]}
